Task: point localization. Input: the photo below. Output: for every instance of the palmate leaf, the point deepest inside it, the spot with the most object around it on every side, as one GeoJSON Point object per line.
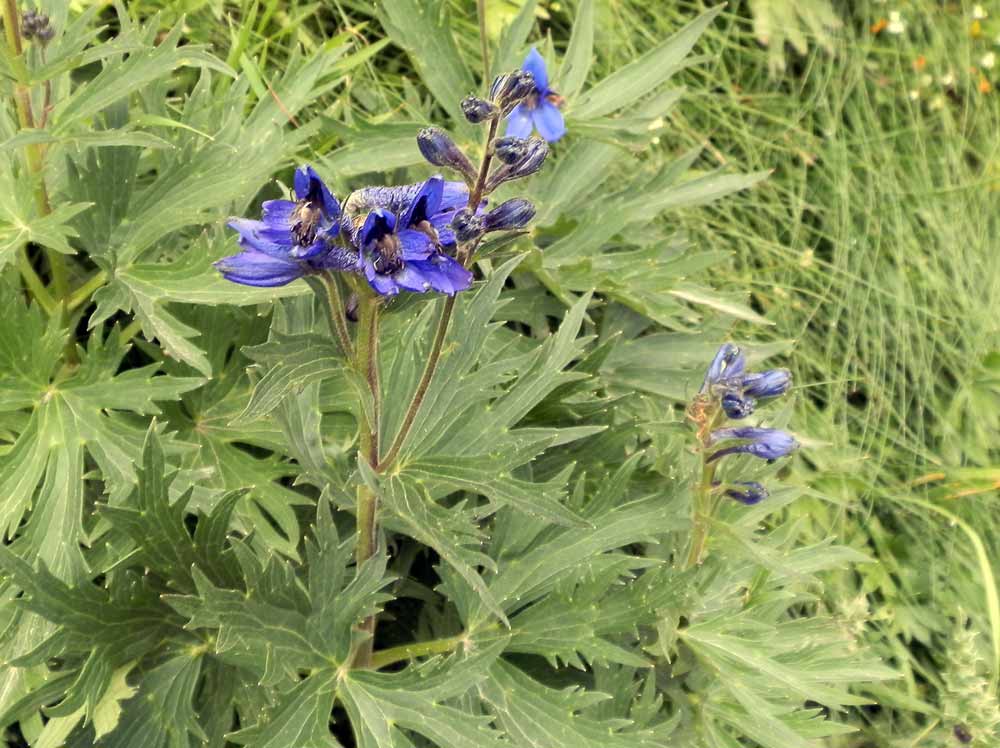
{"type": "Point", "coordinates": [158, 529]}
{"type": "Point", "coordinates": [71, 416]}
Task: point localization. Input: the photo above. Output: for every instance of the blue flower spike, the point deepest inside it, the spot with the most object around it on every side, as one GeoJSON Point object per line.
{"type": "Point", "coordinates": [540, 108]}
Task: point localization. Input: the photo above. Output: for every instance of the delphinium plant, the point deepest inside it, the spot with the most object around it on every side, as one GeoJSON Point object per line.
{"type": "Point", "coordinates": [409, 468]}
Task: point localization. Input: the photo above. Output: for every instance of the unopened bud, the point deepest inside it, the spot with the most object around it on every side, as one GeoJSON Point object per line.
{"type": "Point", "coordinates": [439, 149]}
{"type": "Point", "coordinates": [478, 110]}
{"type": "Point", "coordinates": [510, 149]}
{"type": "Point", "coordinates": [35, 25]}
{"type": "Point", "coordinates": [467, 225]}
{"type": "Point", "coordinates": [509, 88]}
{"type": "Point", "coordinates": [534, 157]}
{"type": "Point", "coordinates": [513, 214]}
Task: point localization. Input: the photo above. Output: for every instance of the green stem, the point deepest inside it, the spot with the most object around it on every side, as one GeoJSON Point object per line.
{"type": "Point", "coordinates": [465, 253]}
{"type": "Point", "coordinates": [405, 652]}
{"type": "Point", "coordinates": [35, 284]}
{"type": "Point", "coordinates": [701, 517]}
{"type": "Point", "coordinates": [335, 307]}
{"type": "Point", "coordinates": [425, 380]}
{"type": "Point", "coordinates": [84, 292]}
{"type": "Point", "coordinates": [34, 152]}
{"type": "Point", "coordinates": [366, 362]}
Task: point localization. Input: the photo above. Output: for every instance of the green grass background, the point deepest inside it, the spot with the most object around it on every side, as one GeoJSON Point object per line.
{"type": "Point", "coordinates": [873, 247]}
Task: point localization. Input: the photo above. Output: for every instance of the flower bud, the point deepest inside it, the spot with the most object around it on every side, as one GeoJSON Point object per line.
{"type": "Point", "coordinates": [510, 150]}
{"type": "Point", "coordinates": [439, 149]}
{"type": "Point", "coordinates": [509, 88]}
{"type": "Point", "coordinates": [767, 384]}
{"type": "Point", "coordinates": [737, 406]}
{"type": "Point", "coordinates": [513, 214]}
{"type": "Point", "coordinates": [467, 225]}
{"type": "Point", "coordinates": [747, 492]}
{"type": "Point", "coordinates": [35, 25]}
{"type": "Point", "coordinates": [478, 110]}
{"type": "Point", "coordinates": [534, 157]}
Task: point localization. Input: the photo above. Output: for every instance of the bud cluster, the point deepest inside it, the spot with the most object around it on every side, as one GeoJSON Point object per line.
{"type": "Point", "coordinates": [35, 25]}
{"type": "Point", "coordinates": [514, 158]}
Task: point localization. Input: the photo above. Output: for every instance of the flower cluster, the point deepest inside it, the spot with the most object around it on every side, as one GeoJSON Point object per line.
{"type": "Point", "coordinates": [729, 391]}
{"type": "Point", "coordinates": [35, 25]}
{"type": "Point", "coordinates": [416, 237]}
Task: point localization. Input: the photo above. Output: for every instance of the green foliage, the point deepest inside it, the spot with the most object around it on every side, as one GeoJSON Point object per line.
{"type": "Point", "coordinates": [182, 469]}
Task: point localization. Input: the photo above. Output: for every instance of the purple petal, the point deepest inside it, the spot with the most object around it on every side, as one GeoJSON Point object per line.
{"type": "Point", "coordinates": [534, 63]}
{"type": "Point", "coordinates": [454, 195]}
{"type": "Point", "coordinates": [425, 203]}
{"type": "Point", "coordinates": [548, 121]}
{"type": "Point", "coordinates": [416, 244]}
{"type": "Point", "coordinates": [309, 186]}
{"type": "Point", "coordinates": [378, 223]}
{"type": "Point", "coordinates": [260, 236]}
{"type": "Point", "coordinates": [277, 212]}
{"type": "Point", "coordinates": [519, 122]}
{"type": "Point", "coordinates": [252, 268]}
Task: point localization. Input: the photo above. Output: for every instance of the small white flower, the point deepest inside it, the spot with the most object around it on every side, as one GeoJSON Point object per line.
{"type": "Point", "coordinates": [937, 103]}
{"type": "Point", "coordinates": [896, 24]}
{"type": "Point", "coordinates": [978, 12]}
{"type": "Point", "coordinates": [948, 80]}
{"type": "Point", "coordinates": [988, 60]}
{"type": "Point", "coordinates": [914, 94]}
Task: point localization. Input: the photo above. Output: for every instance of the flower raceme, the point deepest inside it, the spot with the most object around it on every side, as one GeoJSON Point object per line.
{"type": "Point", "coordinates": [540, 108]}
{"type": "Point", "coordinates": [729, 391]}
{"type": "Point", "coordinates": [397, 237]}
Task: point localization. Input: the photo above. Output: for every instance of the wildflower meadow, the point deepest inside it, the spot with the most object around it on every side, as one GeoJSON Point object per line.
{"type": "Point", "coordinates": [456, 373]}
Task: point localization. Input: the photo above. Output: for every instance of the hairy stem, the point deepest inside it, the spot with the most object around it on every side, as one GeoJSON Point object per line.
{"type": "Point", "coordinates": [335, 307]}
{"type": "Point", "coordinates": [366, 361]}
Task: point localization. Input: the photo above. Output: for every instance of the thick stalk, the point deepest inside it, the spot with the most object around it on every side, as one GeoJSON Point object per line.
{"type": "Point", "coordinates": [35, 284]}
{"type": "Point", "coordinates": [34, 153]}
{"type": "Point", "coordinates": [366, 362]}
{"type": "Point", "coordinates": [83, 293]}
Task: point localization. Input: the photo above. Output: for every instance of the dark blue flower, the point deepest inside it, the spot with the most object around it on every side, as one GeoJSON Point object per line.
{"type": "Point", "coordinates": [736, 405]}
{"type": "Point", "coordinates": [403, 249]}
{"type": "Point", "coordinates": [294, 238]}
{"type": "Point", "coordinates": [729, 362]}
{"type": "Point", "coordinates": [747, 492]}
{"type": "Point", "coordinates": [767, 444]}
{"type": "Point", "coordinates": [540, 109]}
{"type": "Point", "coordinates": [770, 383]}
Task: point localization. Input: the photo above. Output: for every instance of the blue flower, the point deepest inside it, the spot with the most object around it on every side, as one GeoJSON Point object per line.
{"type": "Point", "coordinates": [767, 444]}
{"type": "Point", "coordinates": [729, 362]}
{"type": "Point", "coordinates": [747, 492]}
{"type": "Point", "coordinates": [772, 383]}
{"type": "Point", "coordinates": [737, 405]}
{"type": "Point", "coordinates": [540, 109]}
{"type": "Point", "coordinates": [295, 238]}
{"type": "Point", "coordinates": [402, 243]}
